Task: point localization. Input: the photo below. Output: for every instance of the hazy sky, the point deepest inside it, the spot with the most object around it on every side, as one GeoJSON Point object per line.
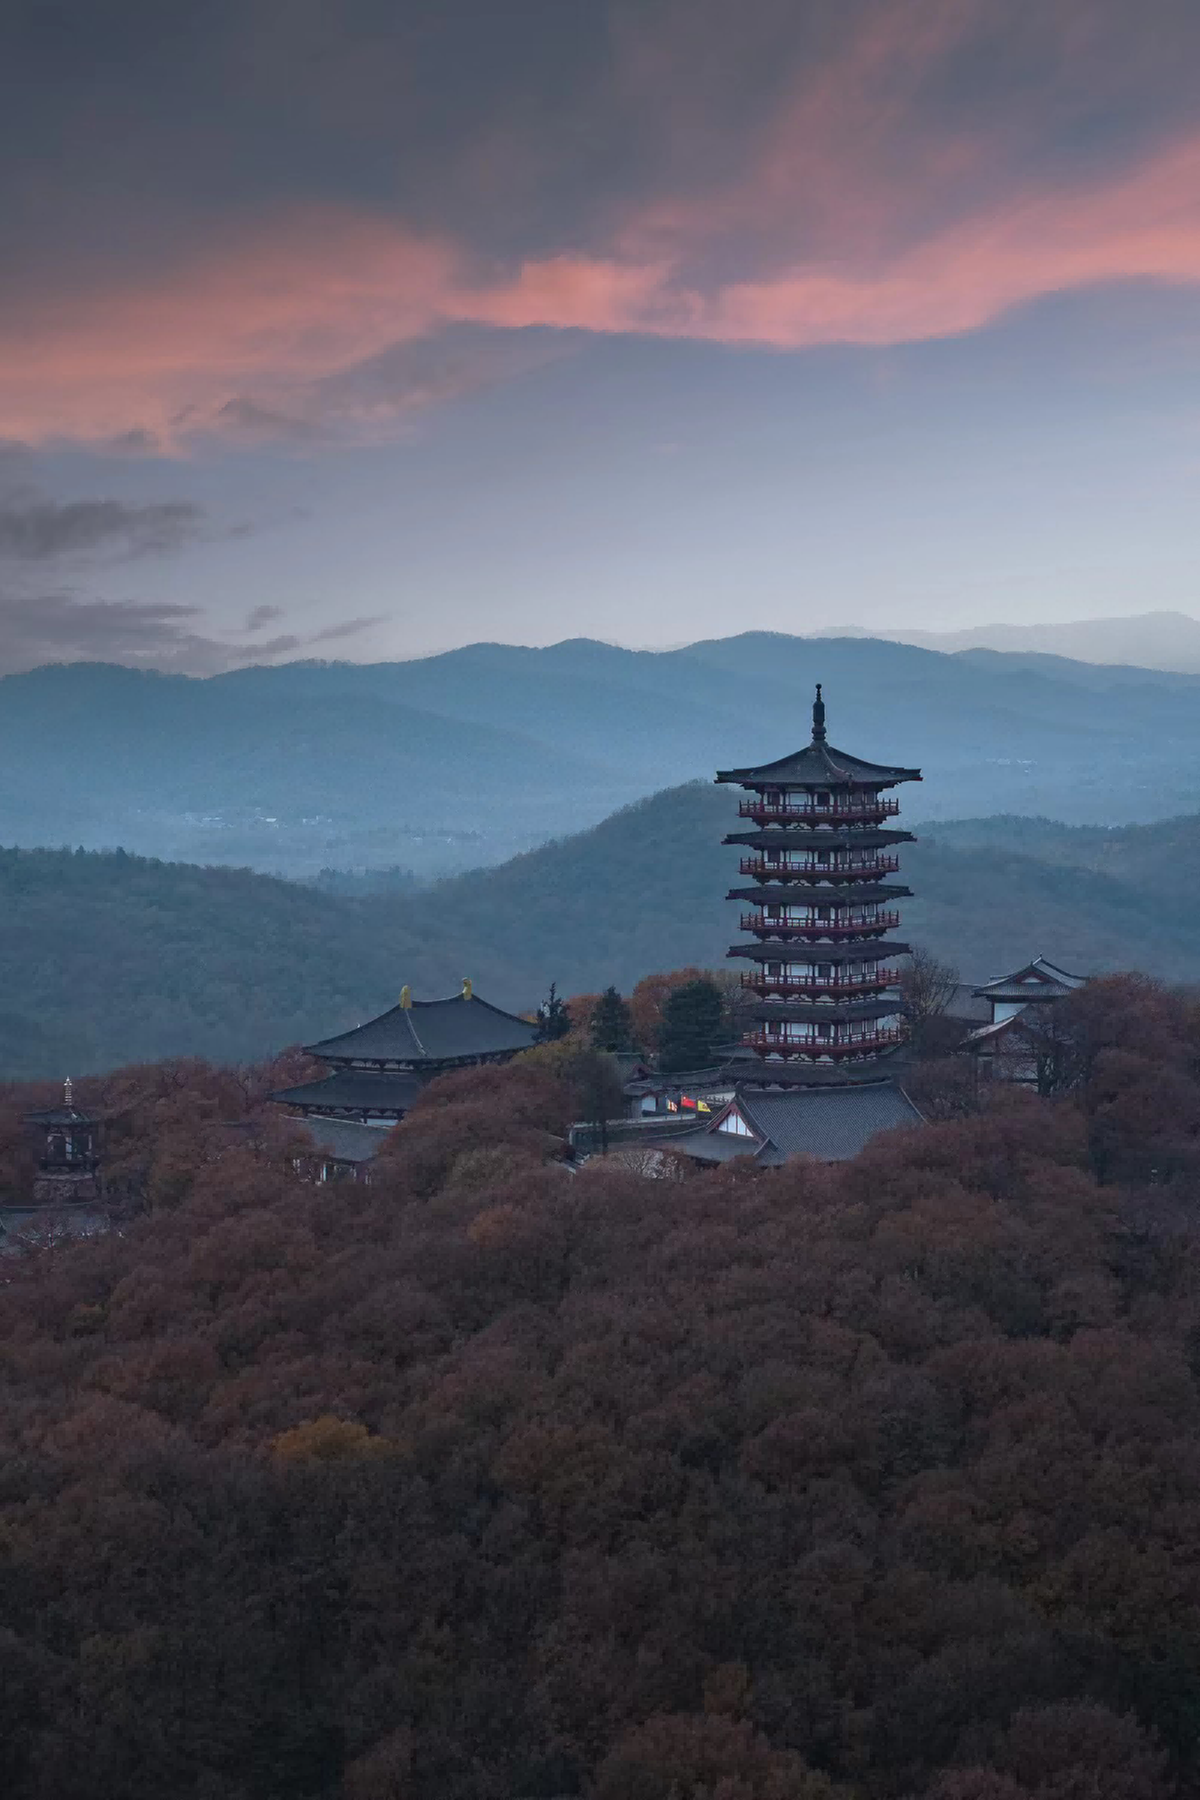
{"type": "Point", "coordinates": [366, 328]}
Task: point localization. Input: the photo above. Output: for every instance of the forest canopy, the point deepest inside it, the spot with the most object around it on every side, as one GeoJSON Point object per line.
{"type": "Point", "coordinates": [493, 1481]}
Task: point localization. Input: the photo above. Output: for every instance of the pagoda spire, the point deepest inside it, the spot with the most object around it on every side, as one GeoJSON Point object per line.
{"type": "Point", "coordinates": [818, 736]}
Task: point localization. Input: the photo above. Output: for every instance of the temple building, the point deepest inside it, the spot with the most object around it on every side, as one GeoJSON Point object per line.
{"type": "Point", "coordinates": [68, 1187]}
{"type": "Point", "coordinates": [375, 1072]}
{"type": "Point", "coordinates": [817, 1070]}
{"type": "Point", "coordinates": [996, 1044]}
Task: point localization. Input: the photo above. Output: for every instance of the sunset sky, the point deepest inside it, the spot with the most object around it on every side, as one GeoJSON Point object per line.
{"type": "Point", "coordinates": [366, 328]}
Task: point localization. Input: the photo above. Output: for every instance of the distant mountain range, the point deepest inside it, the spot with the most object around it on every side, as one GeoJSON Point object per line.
{"type": "Point", "coordinates": [459, 760]}
{"type": "Point", "coordinates": [107, 958]}
{"type": "Point", "coordinates": [1155, 640]}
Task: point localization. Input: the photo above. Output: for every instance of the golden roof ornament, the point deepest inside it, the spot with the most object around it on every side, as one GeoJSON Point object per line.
{"type": "Point", "coordinates": [406, 997]}
{"type": "Point", "coordinates": [68, 1092]}
{"type": "Point", "coordinates": [468, 990]}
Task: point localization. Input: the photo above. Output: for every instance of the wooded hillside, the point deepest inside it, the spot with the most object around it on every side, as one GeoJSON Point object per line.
{"type": "Point", "coordinates": [107, 958]}
{"type": "Point", "coordinates": [857, 1483]}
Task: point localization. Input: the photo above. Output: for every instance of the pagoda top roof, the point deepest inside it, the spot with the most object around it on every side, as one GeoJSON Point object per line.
{"type": "Point", "coordinates": [1038, 980]}
{"type": "Point", "coordinates": [425, 1032]}
{"type": "Point", "coordinates": [819, 765]}
{"type": "Point", "coordinates": [66, 1114]}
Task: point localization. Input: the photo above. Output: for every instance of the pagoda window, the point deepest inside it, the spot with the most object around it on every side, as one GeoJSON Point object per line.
{"type": "Point", "coordinates": [773, 856]}
{"type": "Point", "coordinates": [823, 799]}
{"type": "Point", "coordinates": [825, 971]}
{"type": "Point", "coordinates": [823, 912]}
{"type": "Point", "coordinates": [774, 912]}
{"type": "Point", "coordinates": [824, 1031]}
{"type": "Point", "coordinates": [774, 970]}
{"type": "Point", "coordinates": [823, 858]}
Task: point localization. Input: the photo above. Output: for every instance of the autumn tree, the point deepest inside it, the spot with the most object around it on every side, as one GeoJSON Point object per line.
{"type": "Point", "coordinates": [648, 999]}
{"type": "Point", "coordinates": [928, 987]}
{"type": "Point", "coordinates": [553, 1017]}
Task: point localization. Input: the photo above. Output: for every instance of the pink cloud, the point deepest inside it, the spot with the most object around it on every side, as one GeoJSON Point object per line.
{"type": "Point", "coordinates": [855, 214]}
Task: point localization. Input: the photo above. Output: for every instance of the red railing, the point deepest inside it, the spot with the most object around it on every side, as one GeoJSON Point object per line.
{"type": "Point", "coordinates": [883, 921]}
{"type": "Point", "coordinates": [819, 984]}
{"type": "Point", "coordinates": [756, 865]}
{"type": "Point", "coordinates": [836, 1047]}
{"type": "Point", "coordinates": [876, 807]}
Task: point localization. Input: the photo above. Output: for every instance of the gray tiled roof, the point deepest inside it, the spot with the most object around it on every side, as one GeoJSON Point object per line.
{"type": "Point", "coordinates": [822, 1012]}
{"type": "Point", "coordinates": [432, 1031]}
{"type": "Point", "coordinates": [878, 949]}
{"type": "Point", "coordinates": [810, 894]}
{"type": "Point", "coordinates": [346, 1140]}
{"type": "Point", "coordinates": [831, 1123]}
{"type": "Point", "coordinates": [1038, 980]}
{"type": "Point", "coordinates": [783, 837]}
{"type": "Point", "coordinates": [819, 765]}
{"type": "Point", "coordinates": [356, 1090]}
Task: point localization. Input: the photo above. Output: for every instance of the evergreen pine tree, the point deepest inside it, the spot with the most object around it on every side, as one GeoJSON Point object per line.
{"type": "Point", "coordinates": [612, 1026]}
{"type": "Point", "coordinates": [693, 1025]}
{"type": "Point", "coordinates": [554, 1021]}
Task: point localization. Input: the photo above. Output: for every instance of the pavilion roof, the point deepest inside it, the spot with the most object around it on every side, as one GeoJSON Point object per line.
{"type": "Point", "coordinates": [66, 1116]}
{"type": "Point", "coordinates": [431, 1032]}
{"type": "Point", "coordinates": [1038, 980]}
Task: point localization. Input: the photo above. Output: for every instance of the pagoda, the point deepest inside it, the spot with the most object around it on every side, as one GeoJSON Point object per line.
{"type": "Point", "coordinates": [68, 1198]}
{"type": "Point", "coordinates": [817, 1071]}
{"type": "Point", "coordinates": [820, 913]}
{"type": "Point", "coordinates": [68, 1172]}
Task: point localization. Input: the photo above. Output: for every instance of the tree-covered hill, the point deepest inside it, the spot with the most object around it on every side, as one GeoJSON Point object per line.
{"type": "Point", "coordinates": [867, 1481]}
{"type": "Point", "coordinates": [109, 958]}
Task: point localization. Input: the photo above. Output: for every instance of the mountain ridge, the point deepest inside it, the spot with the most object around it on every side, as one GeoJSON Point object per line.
{"type": "Point", "coordinates": [1162, 640]}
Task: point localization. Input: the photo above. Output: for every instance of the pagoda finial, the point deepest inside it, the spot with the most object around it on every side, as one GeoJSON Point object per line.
{"type": "Point", "coordinates": [68, 1093]}
{"type": "Point", "coordinates": [818, 718]}
{"type": "Point", "coordinates": [468, 990]}
{"type": "Point", "coordinates": [406, 997]}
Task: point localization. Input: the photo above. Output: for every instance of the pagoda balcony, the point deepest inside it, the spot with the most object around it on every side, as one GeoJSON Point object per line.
{"type": "Point", "coordinates": [837, 1048]}
{"type": "Point", "coordinates": [764, 810]}
{"type": "Point", "coordinates": [773, 871]}
{"type": "Point", "coordinates": [823, 928]}
{"type": "Point", "coordinates": [820, 984]}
